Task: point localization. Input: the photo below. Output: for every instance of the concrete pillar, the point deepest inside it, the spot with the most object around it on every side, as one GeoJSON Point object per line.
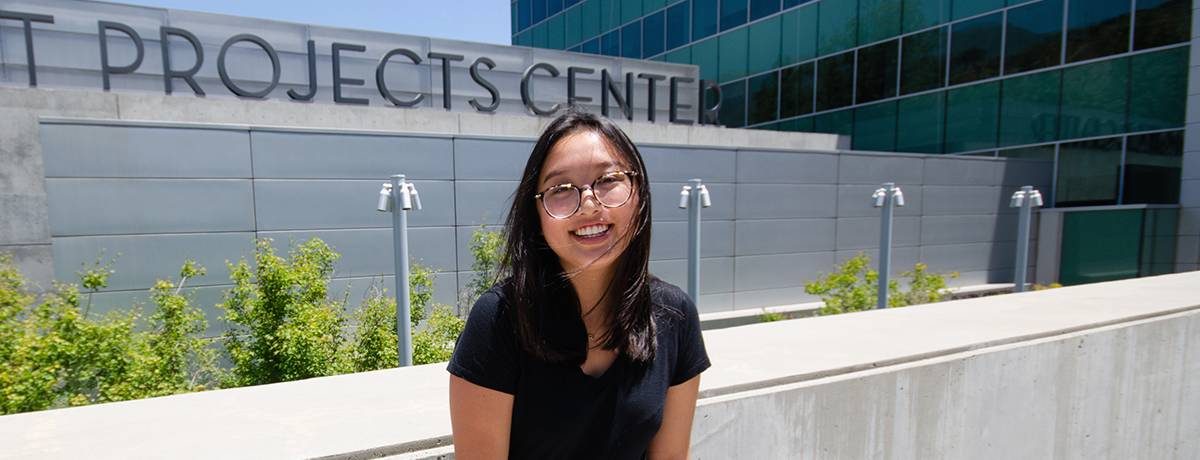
{"type": "Point", "coordinates": [1187, 255]}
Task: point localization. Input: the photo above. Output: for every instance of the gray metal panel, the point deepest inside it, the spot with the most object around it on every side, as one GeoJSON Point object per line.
{"type": "Point", "coordinates": [969, 257]}
{"type": "Point", "coordinates": [771, 297]}
{"type": "Point", "coordinates": [668, 240]}
{"type": "Point", "coordinates": [665, 199]}
{"type": "Point", "coordinates": [962, 171]}
{"type": "Point", "coordinates": [368, 251]}
{"type": "Point", "coordinates": [786, 167]}
{"type": "Point", "coordinates": [716, 274]}
{"type": "Point", "coordinates": [1038, 173]}
{"type": "Point", "coordinates": [130, 151]}
{"type": "Point", "coordinates": [856, 201]}
{"type": "Point", "coordinates": [780, 270]}
{"type": "Point", "coordinates": [968, 229]}
{"type": "Point", "coordinates": [711, 303]}
{"type": "Point", "coordinates": [140, 260]}
{"type": "Point", "coordinates": [877, 169]}
{"type": "Point", "coordinates": [118, 206]}
{"type": "Point", "coordinates": [963, 199]}
{"type": "Point", "coordinates": [284, 204]}
{"type": "Point", "coordinates": [283, 155]}
{"type": "Point", "coordinates": [483, 202]}
{"type": "Point", "coordinates": [756, 237]}
{"type": "Point", "coordinates": [678, 164]}
{"type": "Point", "coordinates": [490, 159]}
{"type": "Point", "coordinates": [773, 201]}
{"type": "Point", "coordinates": [863, 232]}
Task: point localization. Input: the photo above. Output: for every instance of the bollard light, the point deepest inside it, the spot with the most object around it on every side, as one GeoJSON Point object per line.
{"type": "Point", "coordinates": [398, 197]}
{"type": "Point", "coordinates": [694, 197]}
{"type": "Point", "coordinates": [1026, 199]}
{"type": "Point", "coordinates": [887, 197]}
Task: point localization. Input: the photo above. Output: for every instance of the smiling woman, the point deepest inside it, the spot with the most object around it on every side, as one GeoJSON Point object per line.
{"type": "Point", "coordinates": [581, 353]}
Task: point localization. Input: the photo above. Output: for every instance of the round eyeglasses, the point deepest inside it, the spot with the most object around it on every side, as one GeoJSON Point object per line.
{"type": "Point", "coordinates": [611, 190]}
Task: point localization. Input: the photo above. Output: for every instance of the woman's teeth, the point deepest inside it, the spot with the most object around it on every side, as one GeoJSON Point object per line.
{"type": "Point", "coordinates": [591, 230]}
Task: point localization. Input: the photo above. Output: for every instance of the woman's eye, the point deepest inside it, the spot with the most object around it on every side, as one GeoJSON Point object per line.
{"type": "Point", "coordinates": [560, 190]}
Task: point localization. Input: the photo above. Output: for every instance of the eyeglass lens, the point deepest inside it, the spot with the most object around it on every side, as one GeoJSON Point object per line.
{"type": "Point", "coordinates": [611, 190]}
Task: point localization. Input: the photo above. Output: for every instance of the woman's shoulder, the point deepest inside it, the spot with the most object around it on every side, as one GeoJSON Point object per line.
{"type": "Point", "coordinates": [671, 300]}
{"type": "Point", "coordinates": [491, 306]}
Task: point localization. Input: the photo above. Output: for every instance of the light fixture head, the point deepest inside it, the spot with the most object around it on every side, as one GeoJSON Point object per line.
{"type": "Point", "coordinates": [705, 201]}
{"type": "Point", "coordinates": [880, 195]}
{"type": "Point", "coordinates": [899, 197]}
{"type": "Point", "coordinates": [684, 195]}
{"type": "Point", "coordinates": [385, 198]}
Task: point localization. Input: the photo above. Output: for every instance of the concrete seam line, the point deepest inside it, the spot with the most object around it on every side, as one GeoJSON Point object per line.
{"type": "Point", "coordinates": [714, 392]}
{"type": "Point", "coordinates": [393, 449]}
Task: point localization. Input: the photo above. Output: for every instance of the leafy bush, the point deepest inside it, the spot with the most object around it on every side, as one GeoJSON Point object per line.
{"type": "Point", "coordinates": [487, 249]}
{"type": "Point", "coordinates": [53, 355]}
{"type": "Point", "coordinates": [854, 286]}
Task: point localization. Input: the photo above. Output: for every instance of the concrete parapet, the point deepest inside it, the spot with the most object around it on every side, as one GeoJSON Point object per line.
{"type": "Point", "coordinates": [1108, 369]}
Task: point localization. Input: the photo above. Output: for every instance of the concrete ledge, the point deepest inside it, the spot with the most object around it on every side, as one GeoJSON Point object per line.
{"type": "Point", "coordinates": [398, 411]}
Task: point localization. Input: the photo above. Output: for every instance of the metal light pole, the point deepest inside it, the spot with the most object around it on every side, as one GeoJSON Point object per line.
{"type": "Point", "coordinates": [398, 197]}
{"type": "Point", "coordinates": [1027, 198]}
{"type": "Point", "coordinates": [693, 202]}
{"type": "Point", "coordinates": [887, 197]}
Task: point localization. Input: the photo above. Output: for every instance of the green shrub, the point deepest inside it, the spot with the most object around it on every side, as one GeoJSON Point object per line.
{"type": "Point", "coordinates": [854, 286]}
{"type": "Point", "coordinates": [487, 249]}
{"type": "Point", "coordinates": [435, 343]}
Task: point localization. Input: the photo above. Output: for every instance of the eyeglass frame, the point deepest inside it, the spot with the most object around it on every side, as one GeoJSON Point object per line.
{"type": "Point", "coordinates": [579, 191]}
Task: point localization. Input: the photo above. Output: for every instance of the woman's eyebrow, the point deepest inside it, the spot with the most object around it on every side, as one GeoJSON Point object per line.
{"type": "Point", "coordinates": [608, 165]}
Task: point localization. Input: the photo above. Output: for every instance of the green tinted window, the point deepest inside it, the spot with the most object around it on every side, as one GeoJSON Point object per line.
{"type": "Point", "coordinates": [649, 6]}
{"type": "Point", "coordinates": [556, 33]}
{"type": "Point", "coordinates": [733, 104]}
{"type": "Point", "coordinates": [540, 37]}
{"type": "Point", "coordinates": [610, 14]}
{"type": "Point", "coordinates": [877, 71]}
{"type": "Point", "coordinates": [631, 40]}
{"type": "Point", "coordinates": [705, 54]}
{"type": "Point", "coordinates": [971, 117]}
{"type": "Point", "coordinates": [524, 39]}
{"type": "Point", "coordinates": [704, 18]}
{"type": "Point", "coordinates": [733, 13]}
{"type": "Point", "coordinates": [678, 26]}
{"type": "Point", "coordinates": [1029, 110]}
{"type": "Point", "coordinates": [764, 93]}
{"type": "Point", "coordinates": [1158, 89]}
{"type": "Point", "coordinates": [1158, 242]}
{"type": "Point", "coordinates": [838, 25]}
{"type": "Point", "coordinates": [630, 10]}
{"type": "Point", "coordinates": [1040, 152]}
{"type": "Point", "coordinates": [733, 54]}
{"type": "Point", "coordinates": [1094, 99]}
{"type": "Point", "coordinates": [797, 125]}
{"type": "Point", "coordinates": [975, 49]}
{"type": "Point", "coordinates": [1161, 22]}
{"type": "Point", "coordinates": [763, 8]}
{"type": "Point", "coordinates": [574, 26]}
{"type": "Point", "coordinates": [924, 64]}
{"type": "Point", "coordinates": [764, 55]}
{"type": "Point", "coordinates": [919, 14]}
{"type": "Point", "coordinates": [878, 20]}
{"type": "Point", "coordinates": [1118, 232]}
{"type": "Point", "coordinates": [1097, 28]}
{"type": "Point", "coordinates": [680, 56]}
{"type": "Point", "coordinates": [797, 95]}
{"type": "Point", "coordinates": [835, 81]}
{"type": "Point", "coordinates": [1034, 36]}
{"type": "Point", "coordinates": [965, 8]}
{"type": "Point", "coordinates": [590, 20]}
{"type": "Point", "coordinates": [840, 122]}
{"type": "Point", "coordinates": [875, 127]}
{"type": "Point", "coordinates": [1089, 172]}
{"type": "Point", "coordinates": [1153, 166]}
{"type": "Point", "coordinates": [799, 42]}
{"type": "Point", "coordinates": [921, 123]}
{"type": "Point", "coordinates": [610, 43]}
{"type": "Point", "coordinates": [654, 28]}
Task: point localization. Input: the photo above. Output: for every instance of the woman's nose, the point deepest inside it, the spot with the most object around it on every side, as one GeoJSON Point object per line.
{"type": "Point", "coordinates": [586, 204]}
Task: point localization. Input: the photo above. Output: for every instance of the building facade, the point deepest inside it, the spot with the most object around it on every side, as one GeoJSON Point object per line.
{"type": "Point", "coordinates": [1099, 87]}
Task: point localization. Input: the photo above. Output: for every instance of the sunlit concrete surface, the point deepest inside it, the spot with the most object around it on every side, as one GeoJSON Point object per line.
{"type": "Point", "coordinates": [1077, 372]}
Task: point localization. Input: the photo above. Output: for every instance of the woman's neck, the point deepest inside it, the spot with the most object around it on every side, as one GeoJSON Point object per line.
{"type": "Point", "coordinates": [590, 287]}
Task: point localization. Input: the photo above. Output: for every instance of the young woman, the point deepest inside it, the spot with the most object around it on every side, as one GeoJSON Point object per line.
{"type": "Point", "coordinates": [580, 353]}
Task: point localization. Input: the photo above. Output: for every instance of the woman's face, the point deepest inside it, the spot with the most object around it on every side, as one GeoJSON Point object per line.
{"type": "Point", "coordinates": [594, 236]}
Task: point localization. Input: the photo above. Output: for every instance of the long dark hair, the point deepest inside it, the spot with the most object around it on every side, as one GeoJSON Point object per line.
{"type": "Point", "coordinates": [539, 292]}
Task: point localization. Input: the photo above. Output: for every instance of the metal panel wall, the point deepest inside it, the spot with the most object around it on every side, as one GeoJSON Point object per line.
{"type": "Point", "coordinates": [159, 194]}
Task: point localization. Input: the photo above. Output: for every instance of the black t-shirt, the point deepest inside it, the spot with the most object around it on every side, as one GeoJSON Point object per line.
{"type": "Point", "coordinates": [561, 412]}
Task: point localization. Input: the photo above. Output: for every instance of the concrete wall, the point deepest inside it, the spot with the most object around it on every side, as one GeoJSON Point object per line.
{"type": "Point", "coordinates": [1105, 370]}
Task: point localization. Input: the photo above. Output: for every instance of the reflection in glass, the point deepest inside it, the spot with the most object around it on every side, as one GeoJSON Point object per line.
{"type": "Point", "coordinates": [678, 26]}
{"type": "Point", "coordinates": [1097, 28]}
{"type": "Point", "coordinates": [764, 91]}
{"type": "Point", "coordinates": [653, 31]}
{"type": "Point", "coordinates": [975, 49]}
{"type": "Point", "coordinates": [631, 40]}
{"type": "Point", "coordinates": [878, 20]}
{"type": "Point", "coordinates": [733, 104]}
{"type": "Point", "coordinates": [704, 18]}
{"type": "Point", "coordinates": [971, 117]}
{"type": "Point", "coordinates": [875, 127]}
{"type": "Point", "coordinates": [797, 95]}
{"type": "Point", "coordinates": [1089, 172]}
{"type": "Point", "coordinates": [1029, 109]}
{"type": "Point", "coordinates": [877, 72]}
{"type": "Point", "coordinates": [838, 27]}
{"type": "Point", "coordinates": [835, 81]}
{"type": "Point", "coordinates": [1158, 89]}
{"type": "Point", "coordinates": [921, 123]}
{"type": "Point", "coordinates": [1161, 22]}
{"type": "Point", "coordinates": [733, 13]}
{"type": "Point", "coordinates": [1153, 166]}
{"type": "Point", "coordinates": [1033, 39]}
{"type": "Point", "coordinates": [920, 14]}
{"type": "Point", "coordinates": [924, 64]}
{"type": "Point", "coordinates": [1094, 99]}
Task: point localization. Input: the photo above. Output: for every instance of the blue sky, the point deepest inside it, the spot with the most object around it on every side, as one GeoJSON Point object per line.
{"type": "Point", "coordinates": [472, 20]}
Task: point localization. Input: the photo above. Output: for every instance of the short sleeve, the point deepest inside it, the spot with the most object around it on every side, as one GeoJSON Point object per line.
{"type": "Point", "coordinates": [486, 352]}
{"type": "Point", "coordinates": [691, 357]}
